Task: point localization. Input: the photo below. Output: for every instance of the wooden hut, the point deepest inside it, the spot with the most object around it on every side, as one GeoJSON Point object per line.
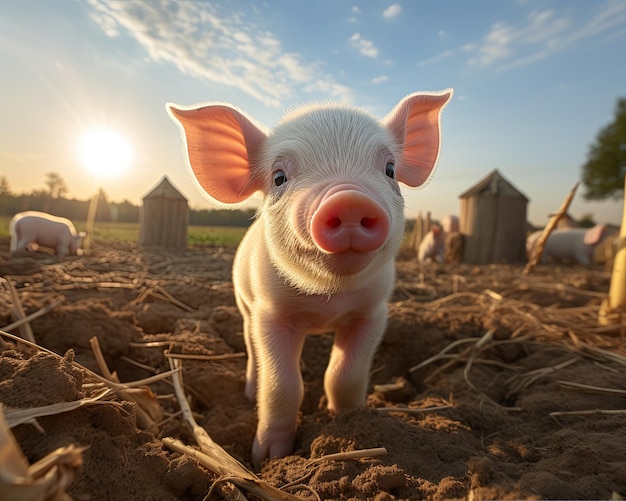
{"type": "Point", "coordinates": [163, 218]}
{"type": "Point", "coordinates": [493, 221]}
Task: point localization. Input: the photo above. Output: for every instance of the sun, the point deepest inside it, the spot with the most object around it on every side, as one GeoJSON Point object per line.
{"type": "Point", "coordinates": [105, 152]}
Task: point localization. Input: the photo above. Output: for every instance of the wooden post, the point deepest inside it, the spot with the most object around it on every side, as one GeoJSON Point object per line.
{"type": "Point", "coordinates": [418, 231]}
{"type": "Point", "coordinates": [537, 249]}
{"type": "Point", "coordinates": [90, 224]}
{"type": "Point", "coordinates": [613, 308]}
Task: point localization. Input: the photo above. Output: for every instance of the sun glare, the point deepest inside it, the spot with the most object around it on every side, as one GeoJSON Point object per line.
{"type": "Point", "coordinates": [105, 152]}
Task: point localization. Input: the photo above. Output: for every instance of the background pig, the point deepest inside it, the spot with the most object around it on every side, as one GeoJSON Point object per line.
{"type": "Point", "coordinates": [450, 224]}
{"type": "Point", "coordinates": [575, 244]}
{"type": "Point", "coordinates": [452, 251]}
{"type": "Point", "coordinates": [320, 255]}
{"type": "Point", "coordinates": [431, 246]}
{"type": "Point", "coordinates": [29, 230]}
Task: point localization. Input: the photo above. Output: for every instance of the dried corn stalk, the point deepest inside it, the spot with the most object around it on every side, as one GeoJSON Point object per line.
{"type": "Point", "coordinates": [613, 308]}
{"type": "Point", "coordinates": [537, 250]}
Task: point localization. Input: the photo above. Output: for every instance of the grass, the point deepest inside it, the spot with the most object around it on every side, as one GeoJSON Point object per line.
{"type": "Point", "coordinates": [129, 232]}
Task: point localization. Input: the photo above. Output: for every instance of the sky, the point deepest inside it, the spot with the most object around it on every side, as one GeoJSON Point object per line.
{"type": "Point", "coordinates": [534, 83]}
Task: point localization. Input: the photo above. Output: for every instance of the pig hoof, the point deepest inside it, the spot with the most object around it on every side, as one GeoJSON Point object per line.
{"type": "Point", "coordinates": [274, 444]}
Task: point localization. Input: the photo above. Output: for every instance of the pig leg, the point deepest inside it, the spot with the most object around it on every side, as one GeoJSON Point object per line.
{"type": "Point", "coordinates": [61, 250]}
{"type": "Point", "coordinates": [280, 388]}
{"type": "Point", "coordinates": [583, 255]}
{"type": "Point", "coordinates": [251, 368]}
{"type": "Point", "coordinates": [347, 375]}
{"type": "Point", "coordinates": [21, 246]}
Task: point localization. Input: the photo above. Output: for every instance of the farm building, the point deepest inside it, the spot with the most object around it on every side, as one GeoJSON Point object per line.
{"type": "Point", "coordinates": [163, 217]}
{"type": "Point", "coordinates": [493, 221]}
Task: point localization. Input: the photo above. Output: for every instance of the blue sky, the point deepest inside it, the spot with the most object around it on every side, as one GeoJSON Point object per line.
{"type": "Point", "coordinates": [534, 82]}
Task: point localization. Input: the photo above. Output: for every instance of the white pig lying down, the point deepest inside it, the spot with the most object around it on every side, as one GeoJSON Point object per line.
{"type": "Point", "coordinates": [571, 244]}
{"type": "Point", "coordinates": [30, 230]}
{"type": "Point", "coordinates": [320, 255]}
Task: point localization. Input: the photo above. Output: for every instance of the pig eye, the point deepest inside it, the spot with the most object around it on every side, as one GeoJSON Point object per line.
{"type": "Point", "coordinates": [390, 170]}
{"type": "Point", "coordinates": [280, 177]}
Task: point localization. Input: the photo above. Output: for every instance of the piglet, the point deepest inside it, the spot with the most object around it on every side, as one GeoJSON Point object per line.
{"type": "Point", "coordinates": [432, 245]}
{"type": "Point", "coordinates": [573, 244]}
{"type": "Point", "coordinates": [320, 255]}
{"type": "Point", "coordinates": [32, 229]}
{"type": "Point", "coordinates": [450, 224]}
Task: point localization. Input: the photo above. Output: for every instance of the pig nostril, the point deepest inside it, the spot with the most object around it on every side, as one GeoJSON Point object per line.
{"type": "Point", "coordinates": [368, 222]}
{"type": "Point", "coordinates": [335, 222]}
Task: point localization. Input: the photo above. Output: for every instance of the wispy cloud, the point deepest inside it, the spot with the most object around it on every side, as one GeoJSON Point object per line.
{"type": "Point", "coordinates": [207, 41]}
{"type": "Point", "coordinates": [543, 33]}
{"type": "Point", "coordinates": [380, 79]}
{"type": "Point", "coordinates": [435, 59]}
{"type": "Point", "coordinates": [365, 47]}
{"type": "Point", "coordinates": [355, 12]}
{"type": "Point", "coordinates": [392, 11]}
{"type": "Point", "coordinates": [537, 36]}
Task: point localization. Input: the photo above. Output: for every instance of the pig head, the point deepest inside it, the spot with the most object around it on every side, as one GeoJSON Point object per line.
{"type": "Point", "coordinates": [320, 255]}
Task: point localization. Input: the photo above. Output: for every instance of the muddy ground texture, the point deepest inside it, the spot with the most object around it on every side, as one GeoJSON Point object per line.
{"type": "Point", "coordinates": [475, 390]}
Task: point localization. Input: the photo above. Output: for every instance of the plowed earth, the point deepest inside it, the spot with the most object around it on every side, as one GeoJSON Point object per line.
{"type": "Point", "coordinates": [498, 413]}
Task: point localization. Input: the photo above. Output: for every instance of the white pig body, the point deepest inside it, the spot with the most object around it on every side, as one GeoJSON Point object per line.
{"type": "Point", "coordinates": [572, 244]}
{"type": "Point", "coordinates": [432, 245]}
{"type": "Point", "coordinates": [320, 256]}
{"type": "Point", "coordinates": [32, 229]}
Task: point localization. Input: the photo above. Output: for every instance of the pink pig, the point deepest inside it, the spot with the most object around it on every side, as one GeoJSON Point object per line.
{"type": "Point", "coordinates": [32, 229]}
{"type": "Point", "coordinates": [450, 224]}
{"type": "Point", "coordinates": [320, 255]}
{"type": "Point", "coordinates": [574, 244]}
{"type": "Point", "coordinates": [432, 245]}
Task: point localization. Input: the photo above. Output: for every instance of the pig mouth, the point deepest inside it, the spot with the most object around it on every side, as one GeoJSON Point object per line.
{"type": "Point", "coordinates": [346, 263]}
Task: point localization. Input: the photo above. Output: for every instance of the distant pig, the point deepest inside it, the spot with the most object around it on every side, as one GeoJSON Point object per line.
{"type": "Point", "coordinates": [454, 241]}
{"type": "Point", "coordinates": [450, 224]}
{"type": "Point", "coordinates": [573, 244]}
{"type": "Point", "coordinates": [32, 229]}
{"type": "Point", "coordinates": [320, 255]}
{"type": "Point", "coordinates": [432, 245]}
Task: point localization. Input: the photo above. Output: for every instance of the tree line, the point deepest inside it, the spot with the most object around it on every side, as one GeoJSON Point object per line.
{"type": "Point", "coordinates": [602, 175]}
{"type": "Point", "coordinates": [52, 200]}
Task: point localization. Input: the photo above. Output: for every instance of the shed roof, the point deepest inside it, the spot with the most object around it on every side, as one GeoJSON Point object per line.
{"type": "Point", "coordinates": [165, 190]}
{"type": "Point", "coordinates": [494, 184]}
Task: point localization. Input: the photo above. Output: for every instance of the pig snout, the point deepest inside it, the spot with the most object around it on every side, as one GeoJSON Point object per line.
{"type": "Point", "coordinates": [349, 220]}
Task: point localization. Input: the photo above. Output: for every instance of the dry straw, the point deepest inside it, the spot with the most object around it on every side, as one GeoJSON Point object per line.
{"type": "Point", "coordinates": [45, 480]}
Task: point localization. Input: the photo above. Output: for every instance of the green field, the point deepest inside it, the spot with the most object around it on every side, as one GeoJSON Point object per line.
{"type": "Point", "coordinates": [129, 232]}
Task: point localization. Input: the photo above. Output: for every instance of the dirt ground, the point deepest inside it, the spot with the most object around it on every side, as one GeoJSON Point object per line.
{"type": "Point", "coordinates": [475, 390]}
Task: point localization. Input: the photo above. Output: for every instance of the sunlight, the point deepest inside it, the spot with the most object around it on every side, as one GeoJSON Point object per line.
{"type": "Point", "coordinates": [105, 153]}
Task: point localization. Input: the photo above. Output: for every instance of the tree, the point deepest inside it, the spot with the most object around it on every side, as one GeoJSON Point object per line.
{"type": "Point", "coordinates": [5, 187]}
{"type": "Point", "coordinates": [56, 185]}
{"type": "Point", "coordinates": [603, 174]}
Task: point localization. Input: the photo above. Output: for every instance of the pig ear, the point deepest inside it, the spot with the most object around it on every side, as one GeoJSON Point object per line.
{"type": "Point", "coordinates": [414, 122]}
{"type": "Point", "coordinates": [594, 235]}
{"type": "Point", "coordinates": [222, 144]}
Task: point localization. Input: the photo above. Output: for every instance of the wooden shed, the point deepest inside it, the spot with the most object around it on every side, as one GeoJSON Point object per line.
{"type": "Point", "coordinates": [163, 217]}
{"type": "Point", "coordinates": [493, 220]}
